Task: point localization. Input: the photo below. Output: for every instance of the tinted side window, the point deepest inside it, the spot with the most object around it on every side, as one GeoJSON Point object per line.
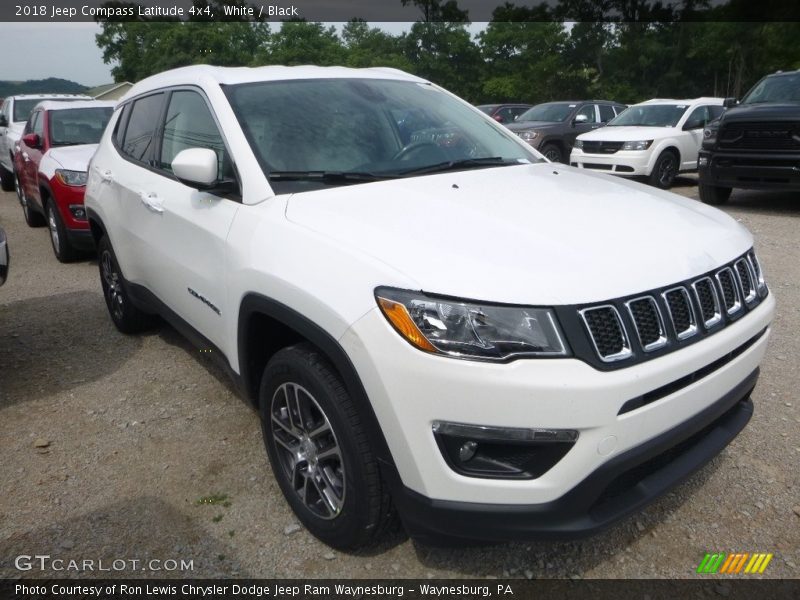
{"type": "Point", "coordinates": [141, 128]}
{"type": "Point", "coordinates": [606, 113]}
{"type": "Point", "coordinates": [30, 123]}
{"type": "Point", "coordinates": [119, 126]}
{"type": "Point", "coordinates": [588, 110]}
{"type": "Point", "coordinates": [38, 124]}
{"type": "Point", "coordinates": [697, 118]}
{"type": "Point", "coordinates": [715, 112]}
{"type": "Point", "coordinates": [189, 124]}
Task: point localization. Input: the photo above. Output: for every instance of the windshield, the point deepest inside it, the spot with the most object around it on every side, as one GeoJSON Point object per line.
{"type": "Point", "coordinates": [780, 88]}
{"type": "Point", "coordinates": [369, 127]}
{"type": "Point", "coordinates": [78, 125]}
{"type": "Point", "coordinates": [650, 115]}
{"type": "Point", "coordinates": [553, 112]}
{"type": "Point", "coordinates": [23, 108]}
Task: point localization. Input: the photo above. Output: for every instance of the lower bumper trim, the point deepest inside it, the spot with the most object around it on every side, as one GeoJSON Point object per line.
{"type": "Point", "coordinates": [623, 485]}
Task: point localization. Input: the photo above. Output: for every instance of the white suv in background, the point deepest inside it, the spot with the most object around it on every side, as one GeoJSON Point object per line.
{"type": "Point", "coordinates": [14, 113]}
{"type": "Point", "coordinates": [656, 139]}
{"type": "Point", "coordinates": [433, 321]}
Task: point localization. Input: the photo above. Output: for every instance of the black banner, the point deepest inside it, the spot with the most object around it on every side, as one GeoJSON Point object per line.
{"type": "Point", "coordinates": [360, 589]}
{"type": "Point", "coordinates": [46, 11]}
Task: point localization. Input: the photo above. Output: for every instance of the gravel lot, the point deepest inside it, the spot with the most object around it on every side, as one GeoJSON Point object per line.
{"type": "Point", "coordinates": [137, 430]}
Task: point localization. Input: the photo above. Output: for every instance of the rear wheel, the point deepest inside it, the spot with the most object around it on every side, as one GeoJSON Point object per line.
{"type": "Point", "coordinates": [711, 194]}
{"type": "Point", "coordinates": [126, 317]}
{"type": "Point", "coordinates": [319, 451]}
{"type": "Point", "coordinates": [63, 250]}
{"type": "Point", "coordinates": [6, 179]}
{"type": "Point", "coordinates": [664, 171]}
{"type": "Point", "coordinates": [552, 152]}
{"type": "Point", "coordinates": [32, 218]}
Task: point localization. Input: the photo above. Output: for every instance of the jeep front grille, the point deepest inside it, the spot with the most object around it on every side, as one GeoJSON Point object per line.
{"type": "Point", "coordinates": [663, 320]}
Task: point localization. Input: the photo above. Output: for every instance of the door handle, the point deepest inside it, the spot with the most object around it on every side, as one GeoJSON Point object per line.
{"type": "Point", "coordinates": [152, 202]}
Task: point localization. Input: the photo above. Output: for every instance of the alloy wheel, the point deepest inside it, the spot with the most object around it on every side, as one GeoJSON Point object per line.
{"type": "Point", "coordinates": [308, 450]}
{"type": "Point", "coordinates": [666, 171]}
{"type": "Point", "coordinates": [53, 226]}
{"type": "Point", "coordinates": [113, 287]}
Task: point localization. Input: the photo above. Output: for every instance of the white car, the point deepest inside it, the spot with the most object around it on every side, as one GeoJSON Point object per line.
{"type": "Point", "coordinates": [656, 139]}
{"type": "Point", "coordinates": [14, 113]}
{"type": "Point", "coordinates": [433, 320]}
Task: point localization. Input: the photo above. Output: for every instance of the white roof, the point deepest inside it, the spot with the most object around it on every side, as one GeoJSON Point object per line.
{"type": "Point", "coordinates": [208, 74]}
{"type": "Point", "coordinates": [703, 100]}
{"type": "Point", "coordinates": [49, 96]}
{"type": "Point", "coordinates": [55, 105]}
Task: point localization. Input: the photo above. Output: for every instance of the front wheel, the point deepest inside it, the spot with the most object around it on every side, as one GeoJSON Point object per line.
{"type": "Point", "coordinates": [664, 171]}
{"type": "Point", "coordinates": [553, 153]}
{"type": "Point", "coordinates": [126, 317]}
{"type": "Point", "coordinates": [711, 194]}
{"type": "Point", "coordinates": [319, 451]}
{"type": "Point", "coordinates": [63, 250]}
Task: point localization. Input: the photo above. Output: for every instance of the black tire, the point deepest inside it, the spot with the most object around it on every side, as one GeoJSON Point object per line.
{"type": "Point", "coordinates": [63, 250]}
{"type": "Point", "coordinates": [360, 509]}
{"type": "Point", "coordinates": [664, 171]}
{"type": "Point", "coordinates": [711, 194]}
{"type": "Point", "coordinates": [126, 317]}
{"type": "Point", "coordinates": [552, 152]}
{"type": "Point", "coordinates": [32, 218]}
{"type": "Point", "coordinates": [6, 179]}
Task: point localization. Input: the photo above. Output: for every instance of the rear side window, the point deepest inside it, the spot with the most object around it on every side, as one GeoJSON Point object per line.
{"type": "Point", "coordinates": [190, 124]}
{"type": "Point", "coordinates": [141, 130]}
{"type": "Point", "coordinates": [606, 113]}
{"type": "Point", "coordinates": [119, 126]}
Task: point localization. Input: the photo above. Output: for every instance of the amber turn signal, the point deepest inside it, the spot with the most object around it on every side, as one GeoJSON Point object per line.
{"type": "Point", "coordinates": [399, 317]}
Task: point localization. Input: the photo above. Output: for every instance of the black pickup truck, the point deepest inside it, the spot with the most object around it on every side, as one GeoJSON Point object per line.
{"type": "Point", "coordinates": [756, 143]}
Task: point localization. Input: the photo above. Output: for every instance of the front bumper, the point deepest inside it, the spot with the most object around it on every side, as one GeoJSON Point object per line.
{"type": "Point", "coordinates": [618, 488]}
{"type": "Point", "coordinates": [623, 162]}
{"type": "Point", "coordinates": [410, 390]}
{"type": "Point", "coordinates": [749, 170]}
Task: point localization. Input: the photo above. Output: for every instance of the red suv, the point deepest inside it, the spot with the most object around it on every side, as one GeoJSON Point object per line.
{"type": "Point", "coordinates": [51, 162]}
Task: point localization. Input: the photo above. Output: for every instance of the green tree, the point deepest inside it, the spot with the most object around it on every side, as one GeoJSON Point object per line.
{"type": "Point", "coordinates": [367, 46]}
{"type": "Point", "coordinates": [302, 43]}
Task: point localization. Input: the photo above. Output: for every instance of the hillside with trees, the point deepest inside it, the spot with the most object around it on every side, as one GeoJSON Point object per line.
{"type": "Point", "coordinates": [694, 48]}
{"type": "Point", "coordinates": [51, 85]}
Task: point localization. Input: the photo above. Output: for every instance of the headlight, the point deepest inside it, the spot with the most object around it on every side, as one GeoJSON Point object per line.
{"type": "Point", "coordinates": [528, 135]}
{"type": "Point", "coordinates": [578, 144]}
{"type": "Point", "coordinates": [710, 135]}
{"type": "Point", "coordinates": [469, 329]}
{"type": "Point", "coordinates": [74, 178]}
{"type": "Point", "coordinates": [638, 145]}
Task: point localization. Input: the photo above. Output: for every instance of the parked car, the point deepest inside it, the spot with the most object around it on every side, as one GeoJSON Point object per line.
{"type": "Point", "coordinates": [552, 127]}
{"type": "Point", "coordinates": [5, 258]}
{"type": "Point", "coordinates": [504, 113]}
{"type": "Point", "coordinates": [14, 114]}
{"type": "Point", "coordinates": [448, 327]}
{"type": "Point", "coordinates": [755, 145]}
{"type": "Point", "coordinates": [656, 139]}
{"type": "Point", "coordinates": [51, 163]}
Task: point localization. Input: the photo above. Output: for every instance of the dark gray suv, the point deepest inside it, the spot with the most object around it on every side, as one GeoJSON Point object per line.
{"type": "Point", "coordinates": [552, 127]}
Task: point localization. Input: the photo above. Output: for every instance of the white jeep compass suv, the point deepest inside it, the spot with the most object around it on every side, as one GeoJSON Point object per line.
{"type": "Point", "coordinates": [433, 320]}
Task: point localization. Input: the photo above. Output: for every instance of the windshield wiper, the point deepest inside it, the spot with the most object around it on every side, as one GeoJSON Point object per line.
{"type": "Point", "coordinates": [326, 176]}
{"type": "Point", "coordinates": [451, 165]}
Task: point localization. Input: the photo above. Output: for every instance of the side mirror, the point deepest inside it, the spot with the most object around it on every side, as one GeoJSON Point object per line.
{"type": "Point", "coordinates": [730, 102]}
{"type": "Point", "coordinates": [580, 119]}
{"type": "Point", "coordinates": [32, 140]}
{"type": "Point", "coordinates": [3, 121]}
{"type": "Point", "coordinates": [4, 257]}
{"type": "Point", "coordinates": [196, 167]}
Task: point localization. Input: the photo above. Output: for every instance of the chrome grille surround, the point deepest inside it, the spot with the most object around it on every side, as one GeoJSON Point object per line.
{"type": "Point", "coordinates": [640, 327]}
{"type": "Point", "coordinates": [692, 328]}
{"type": "Point", "coordinates": [626, 351]}
{"type": "Point", "coordinates": [661, 341]}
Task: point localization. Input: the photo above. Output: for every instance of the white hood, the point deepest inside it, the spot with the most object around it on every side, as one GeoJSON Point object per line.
{"type": "Point", "coordinates": [628, 133]}
{"type": "Point", "coordinates": [532, 234]}
{"type": "Point", "coordinates": [73, 158]}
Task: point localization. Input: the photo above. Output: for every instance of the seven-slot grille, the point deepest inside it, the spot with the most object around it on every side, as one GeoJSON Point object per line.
{"type": "Point", "coordinates": [705, 301]}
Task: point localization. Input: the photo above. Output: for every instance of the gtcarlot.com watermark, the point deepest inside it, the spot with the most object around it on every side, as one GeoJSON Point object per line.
{"type": "Point", "coordinates": [45, 562]}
